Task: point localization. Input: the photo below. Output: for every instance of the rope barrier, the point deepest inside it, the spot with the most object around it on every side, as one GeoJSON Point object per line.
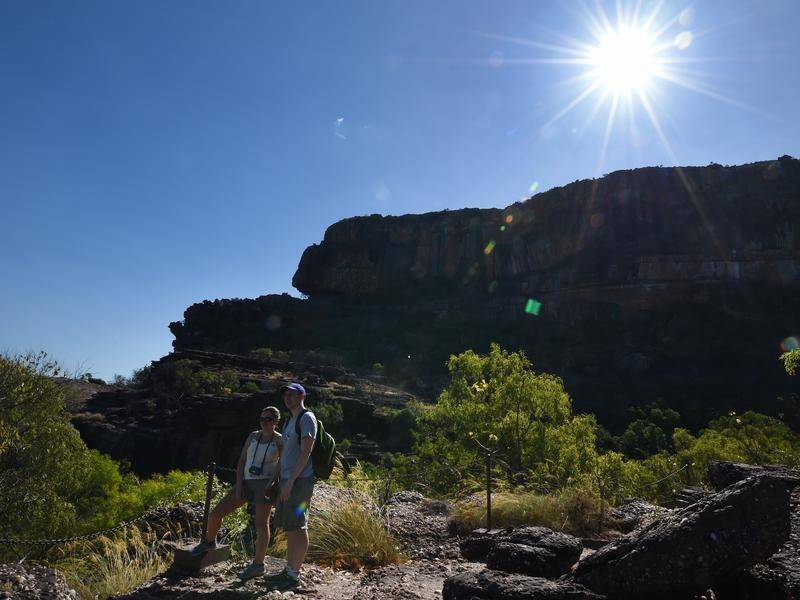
{"type": "Point", "coordinates": [392, 476]}
{"type": "Point", "coordinates": [668, 476]}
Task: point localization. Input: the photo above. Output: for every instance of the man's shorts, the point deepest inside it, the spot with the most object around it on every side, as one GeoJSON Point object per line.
{"type": "Point", "coordinates": [253, 490]}
{"type": "Point", "coordinates": [292, 515]}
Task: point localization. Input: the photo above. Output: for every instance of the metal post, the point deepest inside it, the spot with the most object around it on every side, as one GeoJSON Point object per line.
{"type": "Point", "coordinates": [488, 490]}
{"type": "Point", "coordinates": [212, 467]}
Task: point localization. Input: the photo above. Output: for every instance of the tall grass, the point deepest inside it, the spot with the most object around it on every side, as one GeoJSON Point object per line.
{"type": "Point", "coordinates": [109, 566]}
{"type": "Point", "coordinates": [352, 536]}
{"type": "Point", "coordinates": [575, 511]}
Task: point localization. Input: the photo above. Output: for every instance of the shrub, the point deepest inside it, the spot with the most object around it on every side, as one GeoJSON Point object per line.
{"type": "Point", "coordinates": [352, 536]}
{"type": "Point", "coordinates": [269, 354]}
{"type": "Point", "coordinates": [251, 387]}
{"type": "Point", "coordinates": [791, 362]}
{"type": "Point", "coordinates": [330, 413]}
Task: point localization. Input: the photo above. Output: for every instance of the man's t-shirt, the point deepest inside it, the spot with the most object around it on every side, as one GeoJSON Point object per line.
{"type": "Point", "coordinates": [291, 447]}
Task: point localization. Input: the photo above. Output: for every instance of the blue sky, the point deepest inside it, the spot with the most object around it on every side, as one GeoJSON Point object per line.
{"type": "Point", "coordinates": [155, 154]}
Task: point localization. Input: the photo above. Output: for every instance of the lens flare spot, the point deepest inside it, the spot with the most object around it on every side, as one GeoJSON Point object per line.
{"type": "Point", "coordinates": [534, 187]}
{"type": "Point", "coordinates": [790, 343]}
{"type": "Point", "coordinates": [502, 227]}
{"type": "Point", "coordinates": [683, 40]}
{"type": "Point", "coordinates": [493, 287]}
{"type": "Point", "coordinates": [301, 508]}
{"type": "Point", "coordinates": [273, 322]}
{"type": "Point", "coordinates": [597, 220]}
{"type": "Point", "coordinates": [496, 59]}
{"type": "Point", "coordinates": [489, 248]}
{"type": "Point", "coordinates": [532, 307]}
{"type": "Point", "coordinates": [686, 17]}
{"type": "Point", "coordinates": [509, 219]}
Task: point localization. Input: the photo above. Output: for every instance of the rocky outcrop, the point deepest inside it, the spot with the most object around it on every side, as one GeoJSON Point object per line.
{"type": "Point", "coordinates": [536, 551]}
{"type": "Point", "coordinates": [27, 582]}
{"type": "Point", "coordinates": [722, 474]}
{"type": "Point", "coordinates": [694, 548]}
{"type": "Point", "coordinates": [778, 577]}
{"type": "Point", "coordinates": [633, 512]}
{"type": "Point", "coordinates": [680, 282]}
{"type": "Point", "coordinates": [498, 585]}
{"type": "Point", "coordinates": [155, 429]}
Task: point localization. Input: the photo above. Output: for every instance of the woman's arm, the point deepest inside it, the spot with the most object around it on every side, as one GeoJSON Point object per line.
{"type": "Point", "coordinates": [240, 466]}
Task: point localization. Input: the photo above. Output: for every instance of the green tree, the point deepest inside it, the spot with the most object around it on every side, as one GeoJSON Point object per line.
{"type": "Point", "coordinates": [498, 396]}
{"type": "Point", "coordinates": [51, 485]}
{"type": "Point", "coordinates": [41, 454]}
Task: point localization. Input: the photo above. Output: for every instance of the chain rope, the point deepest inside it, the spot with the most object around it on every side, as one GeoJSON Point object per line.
{"type": "Point", "coordinates": [168, 501]}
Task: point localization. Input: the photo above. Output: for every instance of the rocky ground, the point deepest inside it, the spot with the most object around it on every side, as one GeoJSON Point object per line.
{"type": "Point", "coordinates": [419, 524]}
{"type": "Point", "coordinates": [25, 582]}
{"type": "Point", "coordinates": [738, 543]}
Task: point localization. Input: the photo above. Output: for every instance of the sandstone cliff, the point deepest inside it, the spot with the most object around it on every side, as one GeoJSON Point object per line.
{"type": "Point", "coordinates": [656, 283]}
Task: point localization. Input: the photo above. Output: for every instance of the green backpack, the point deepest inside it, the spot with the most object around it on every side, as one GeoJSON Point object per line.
{"type": "Point", "coordinates": [323, 456]}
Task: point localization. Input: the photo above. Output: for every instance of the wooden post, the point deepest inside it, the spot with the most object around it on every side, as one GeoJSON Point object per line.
{"type": "Point", "coordinates": [489, 491]}
{"type": "Point", "coordinates": [212, 467]}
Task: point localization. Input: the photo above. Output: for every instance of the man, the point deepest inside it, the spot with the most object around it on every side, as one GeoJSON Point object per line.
{"type": "Point", "coordinates": [296, 484]}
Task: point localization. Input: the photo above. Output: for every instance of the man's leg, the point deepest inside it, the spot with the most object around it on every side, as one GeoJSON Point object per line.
{"type": "Point", "coordinates": [296, 549]}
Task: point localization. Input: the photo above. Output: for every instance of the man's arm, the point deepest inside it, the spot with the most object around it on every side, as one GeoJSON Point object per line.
{"type": "Point", "coordinates": [306, 446]}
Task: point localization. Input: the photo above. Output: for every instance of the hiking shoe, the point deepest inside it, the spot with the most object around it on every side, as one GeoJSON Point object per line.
{"type": "Point", "coordinates": [202, 548]}
{"type": "Point", "coordinates": [282, 581]}
{"type": "Point", "coordinates": [252, 570]}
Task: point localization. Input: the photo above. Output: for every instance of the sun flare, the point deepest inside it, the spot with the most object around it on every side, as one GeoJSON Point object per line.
{"type": "Point", "coordinates": [626, 60]}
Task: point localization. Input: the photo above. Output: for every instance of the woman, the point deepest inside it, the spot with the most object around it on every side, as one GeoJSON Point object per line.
{"type": "Point", "coordinates": [256, 474]}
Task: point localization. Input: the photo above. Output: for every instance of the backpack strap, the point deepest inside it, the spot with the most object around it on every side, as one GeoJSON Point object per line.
{"type": "Point", "coordinates": [297, 423]}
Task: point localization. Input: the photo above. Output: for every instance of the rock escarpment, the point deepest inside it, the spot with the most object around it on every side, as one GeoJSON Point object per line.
{"type": "Point", "coordinates": [680, 282]}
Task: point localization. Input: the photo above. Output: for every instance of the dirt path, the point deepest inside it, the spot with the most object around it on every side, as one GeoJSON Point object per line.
{"type": "Point", "coordinates": [418, 524]}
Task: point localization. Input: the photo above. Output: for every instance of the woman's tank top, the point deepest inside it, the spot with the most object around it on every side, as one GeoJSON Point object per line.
{"type": "Point", "coordinates": [262, 453]}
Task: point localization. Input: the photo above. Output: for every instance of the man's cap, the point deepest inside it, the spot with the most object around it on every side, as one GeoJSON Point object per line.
{"type": "Point", "coordinates": [294, 386]}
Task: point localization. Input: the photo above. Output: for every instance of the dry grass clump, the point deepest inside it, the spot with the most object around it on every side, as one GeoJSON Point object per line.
{"type": "Point", "coordinates": [352, 536]}
{"type": "Point", "coordinates": [573, 511]}
{"type": "Point", "coordinates": [106, 566]}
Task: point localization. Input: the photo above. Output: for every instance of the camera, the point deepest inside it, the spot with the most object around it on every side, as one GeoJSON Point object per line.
{"type": "Point", "coordinates": [254, 470]}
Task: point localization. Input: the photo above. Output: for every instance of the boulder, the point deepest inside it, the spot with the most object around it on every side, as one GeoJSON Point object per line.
{"type": "Point", "coordinates": [498, 585]}
{"type": "Point", "coordinates": [693, 548]}
{"type": "Point", "coordinates": [26, 582]}
{"type": "Point", "coordinates": [722, 474]}
{"type": "Point", "coordinates": [536, 551]}
{"type": "Point", "coordinates": [776, 578]}
{"type": "Point", "coordinates": [478, 544]}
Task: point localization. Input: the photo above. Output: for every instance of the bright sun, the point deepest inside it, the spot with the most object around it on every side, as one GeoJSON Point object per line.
{"type": "Point", "coordinates": [625, 60]}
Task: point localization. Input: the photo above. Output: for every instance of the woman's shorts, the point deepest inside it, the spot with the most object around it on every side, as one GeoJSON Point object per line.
{"type": "Point", "coordinates": [253, 490]}
{"type": "Point", "coordinates": [292, 515]}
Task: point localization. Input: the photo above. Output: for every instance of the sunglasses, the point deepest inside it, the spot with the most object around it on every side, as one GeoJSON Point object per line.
{"type": "Point", "coordinates": [263, 418]}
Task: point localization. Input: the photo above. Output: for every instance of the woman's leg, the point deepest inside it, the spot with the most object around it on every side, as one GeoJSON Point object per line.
{"type": "Point", "coordinates": [225, 507]}
{"type": "Point", "coordinates": [262, 527]}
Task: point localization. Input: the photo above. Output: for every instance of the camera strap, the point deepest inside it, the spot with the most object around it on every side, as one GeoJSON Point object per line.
{"type": "Point", "coordinates": [255, 452]}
